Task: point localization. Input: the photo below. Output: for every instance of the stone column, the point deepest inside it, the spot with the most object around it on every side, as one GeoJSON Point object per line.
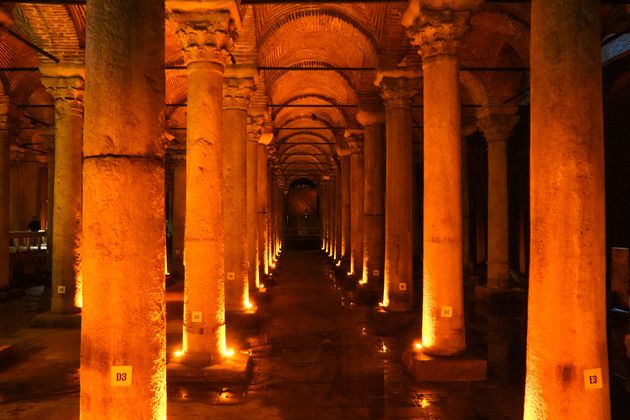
{"type": "Point", "coordinates": [237, 90]}
{"type": "Point", "coordinates": [497, 128]}
{"type": "Point", "coordinates": [50, 196]}
{"type": "Point", "coordinates": [374, 196]}
{"type": "Point", "coordinates": [355, 141]}
{"type": "Point", "coordinates": [65, 84]}
{"type": "Point", "coordinates": [205, 37]}
{"type": "Point", "coordinates": [338, 219]}
{"type": "Point", "coordinates": [397, 93]}
{"type": "Point", "coordinates": [262, 205]}
{"type": "Point", "coordinates": [346, 231]}
{"type": "Point", "coordinates": [179, 216]}
{"type": "Point", "coordinates": [5, 164]}
{"type": "Point", "coordinates": [123, 326]}
{"type": "Point", "coordinates": [437, 34]}
{"type": "Point", "coordinates": [567, 278]}
{"type": "Point", "coordinates": [254, 130]}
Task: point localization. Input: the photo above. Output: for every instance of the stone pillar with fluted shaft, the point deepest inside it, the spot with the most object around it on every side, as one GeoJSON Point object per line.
{"type": "Point", "coordinates": [65, 84]}
{"type": "Point", "coordinates": [497, 128]}
{"type": "Point", "coordinates": [237, 90]}
{"type": "Point", "coordinates": [5, 165]}
{"type": "Point", "coordinates": [254, 130]}
{"type": "Point", "coordinates": [354, 138]}
{"type": "Point", "coordinates": [374, 195]}
{"type": "Point", "coordinates": [437, 33]}
{"type": "Point", "coordinates": [567, 373]}
{"type": "Point", "coordinates": [398, 90]}
{"type": "Point", "coordinates": [206, 36]}
{"type": "Point", "coordinates": [123, 320]}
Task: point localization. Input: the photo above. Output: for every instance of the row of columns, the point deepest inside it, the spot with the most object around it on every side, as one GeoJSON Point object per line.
{"type": "Point", "coordinates": [123, 163]}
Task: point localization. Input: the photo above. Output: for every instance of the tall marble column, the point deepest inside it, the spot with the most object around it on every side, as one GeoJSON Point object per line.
{"type": "Point", "coordinates": [5, 164]}
{"type": "Point", "coordinates": [346, 231]}
{"type": "Point", "coordinates": [497, 128]}
{"type": "Point", "coordinates": [65, 84]}
{"type": "Point", "coordinates": [398, 91]}
{"type": "Point", "coordinates": [262, 206]}
{"type": "Point", "coordinates": [123, 326]}
{"type": "Point", "coordinates": [567, 277]}
{"type": "Point", "coordinates": [254, 130]}
{"type": "Point", "coordinates": [338, 218]}
{"type": "Point", "coordinates": [205, 36]}
{"type": "Point", "coordinates": [179, 216]}
{"type": "Point", "coordinates": [437, 34]}
{"type": "Point", "coordinates": [237, 90]}
{"type": "Point", "coordinates": [355, 141]}
{"type": "Point", "coordinates": [374, 196]}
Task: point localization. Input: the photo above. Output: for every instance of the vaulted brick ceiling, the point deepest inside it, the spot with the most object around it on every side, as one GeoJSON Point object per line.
{"type": "Point", "coordinates": [337, 36]}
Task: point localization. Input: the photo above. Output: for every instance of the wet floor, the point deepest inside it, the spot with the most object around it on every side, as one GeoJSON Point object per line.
{"type": "Point", "coordinates": [317, 352]}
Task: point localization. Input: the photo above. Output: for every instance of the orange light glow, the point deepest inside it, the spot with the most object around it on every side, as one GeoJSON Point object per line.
{"type": "Point", "coordinates": [78, 295]}
{"type": "Point", "coordinates": [178, 354]}
{"type": "Point", "coordinates": [228, 352]}
{"type": "Point", "coordinates": [417, 345]}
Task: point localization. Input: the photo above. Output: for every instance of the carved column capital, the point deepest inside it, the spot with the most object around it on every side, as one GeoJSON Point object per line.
{"type": "Point", "coordinates": [354, 139]}
{"type": "Point", "coordinates": [372, 115]}
{"type": "Point", "coordinates": [4, 113]}
{"type": "Point", "coordinates": [255, 125]}
{"type": "Point", "coordinates": [398, 92]}
{"type": "Point", "coordinates": [237, 92]}
{"type": "Point", "coordinates": [205, 35]}
{"type": "Point", "coordinates": [437, 32]}
{"type": "Point", "coordinates": [67, 92]}
{"type": "Point", "coordinates": [497, 127]}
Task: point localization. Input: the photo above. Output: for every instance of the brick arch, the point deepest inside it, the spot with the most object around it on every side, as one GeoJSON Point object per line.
{"type": "Point", "coordinates": [512, 29]}
{"type": "Point", "coordinates": [323, 84]}
{"type": "Point", "coordinates": [54, 29]}
{"type": "Point", "coordinates": [317, 34]}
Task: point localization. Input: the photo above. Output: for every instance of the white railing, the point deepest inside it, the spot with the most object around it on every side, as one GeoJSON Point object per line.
{"type": "Point", "coordinates": [27, 241]}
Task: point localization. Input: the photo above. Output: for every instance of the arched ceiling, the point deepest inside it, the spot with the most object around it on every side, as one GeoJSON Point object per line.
{"type": "Point", "coordinates": [317, 65]}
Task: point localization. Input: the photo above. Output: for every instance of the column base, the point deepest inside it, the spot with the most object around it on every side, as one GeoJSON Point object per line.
{"type": "Point", "coordinates": [234, 369]}
{"type": "Point", "coordinates": [445, 369]}
{"type": "Point", "coordinates": [52, 320]}
{"type": "Point", "coordinates": [399, 307]}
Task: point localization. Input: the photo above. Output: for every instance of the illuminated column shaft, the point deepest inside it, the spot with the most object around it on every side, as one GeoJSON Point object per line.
{"type": "Point", "coordinates": [65, 84]}
{"type": "Point", "coordinates": [356, 207]}
{"type": "Point", "coordinates": [237, 92]}
{"type": "Point", "coordinates": [338, 218]}
{"type": "Point", "coordinates": [567, 278]}
{"type": "Point", "coordinates": [50, 196]}
{"type": "Point", "coordinates": [374, 197]}
{"type": "Point", "coordinates": [262, 205]}
{"type": "Point", "coordinates": [346, 210]}
{"type": "Point", "coordinates": [5, 164]}
{"type": "Point", "coordinates": [398, 290]}
{"type": "Point", "coordinates": [497, 129]}
{"type": "Point", "coordinates": [179, 216]}
{"type": "Point", "coordinates": [438, 35]}
{"type": "Point", "coordinates": [203, 37]}
{"type": "Point", "coordinates": [123, 320]}
{"type": "Point", "coordinates": [254, 128]}
{"type": "Point", "coordinates": [331, 217]}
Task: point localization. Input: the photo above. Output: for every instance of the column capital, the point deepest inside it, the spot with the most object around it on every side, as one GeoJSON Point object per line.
{"type": "Point", "coordinates": [206, 31]}
{"type": "Point", "coordinates": [237, 92]}
{"type": "Point", "coordinates": [4, 112]}
{"type": "Point", "coordinates": [497, 127]}
{"type": "Point", "coordinates": [436, 27]}
{"type": "Point", "coordinates": [66, 85]}
{"type": "Point", "coordinates": [398, 88]}
{"type": "Point", "coordinates": [354, 139]}
{"type": "Point", "coordinates": [370, 115]}
{"type": "Point", "coordinates": [254, 127]}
